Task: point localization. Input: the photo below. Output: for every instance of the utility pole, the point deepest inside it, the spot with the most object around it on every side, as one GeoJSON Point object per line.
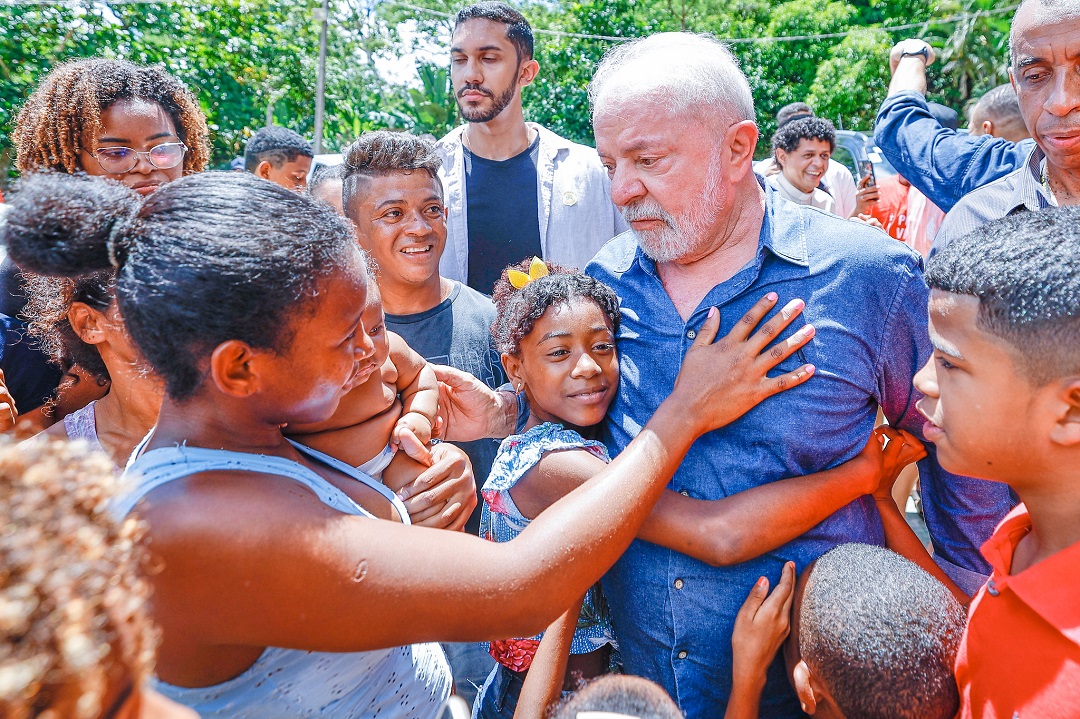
{"type": "Point", "coordinates": [322, 14]}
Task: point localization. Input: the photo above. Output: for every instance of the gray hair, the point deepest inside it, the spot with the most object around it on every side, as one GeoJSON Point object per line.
{"type": "Point", "coordinates": [686, 70]}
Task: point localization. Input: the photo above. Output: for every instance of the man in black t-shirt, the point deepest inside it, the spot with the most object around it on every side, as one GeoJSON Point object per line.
{"type": "Point", "coordinates": [513, 189]}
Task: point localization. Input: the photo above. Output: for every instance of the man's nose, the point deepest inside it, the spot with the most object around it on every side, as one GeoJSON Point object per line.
{"type": "Point", "coordinates": [626, 186]}
{"type": "Point", "coordinates": [1064, 95]}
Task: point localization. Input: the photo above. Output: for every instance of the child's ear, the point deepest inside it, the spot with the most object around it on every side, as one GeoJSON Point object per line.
{"type": "Point", "coordinates": [1066, 429]}
{"type": "Point", "coordinates": [263, 170]}
{"type": "Point", "coordinates": [800, 677]}
{"type": "Point", "coordinates": [514, 371]}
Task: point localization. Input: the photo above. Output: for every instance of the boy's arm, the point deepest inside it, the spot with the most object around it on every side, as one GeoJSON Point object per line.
{"type": "Point", "coordinates": [745, 525]}
{"type": "Point", "coordinates": [547, 673]}
{"type": "Point", "coordinates": [721, 531]}
{"type": "Point", "coordinates": [904, 448]}
{"type": "Point", "coordinates": [761, 626]}
{"type": "Point", "coordinates": [418, 388]}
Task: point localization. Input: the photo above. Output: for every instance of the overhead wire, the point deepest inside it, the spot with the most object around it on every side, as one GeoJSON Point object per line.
{"type": "Point", "coordinates": [959, 17]}
{"type": "Point", "coordinates": [736, 40]}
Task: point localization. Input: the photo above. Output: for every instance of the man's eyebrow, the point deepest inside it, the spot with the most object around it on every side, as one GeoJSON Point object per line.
{"type": "Point", "coordinates": [485, 48]}
{"type": "Point", "coordinates": [391, 201]}
{"type": "Point", "coordinates": [1029, 60]}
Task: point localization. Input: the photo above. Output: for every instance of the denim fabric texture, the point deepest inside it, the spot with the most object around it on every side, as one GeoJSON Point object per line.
{"type": "Point", "coordinates": [867, 298]}
{"type": "Point", "coordinates": [942, 164]}
{"type": "Point", "coordinates": [498, 698]}
{"type": "Point", "coordinates": [1019, 191]}
{"type": "Point", "coordinates": [502, 521]}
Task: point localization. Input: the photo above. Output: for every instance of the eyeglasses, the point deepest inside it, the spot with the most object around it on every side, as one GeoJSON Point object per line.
{"type": "Point", "coordinates": [118, 160]}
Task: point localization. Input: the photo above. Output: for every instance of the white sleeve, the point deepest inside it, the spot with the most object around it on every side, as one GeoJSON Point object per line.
{"type": "Point", "coordinates": [842, 186]}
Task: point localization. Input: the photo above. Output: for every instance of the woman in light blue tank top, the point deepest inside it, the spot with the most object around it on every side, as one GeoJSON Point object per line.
{"type": "Point", "coordinates": [276, 593]}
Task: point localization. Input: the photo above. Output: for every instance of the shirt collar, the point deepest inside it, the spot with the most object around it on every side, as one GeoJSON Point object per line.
{"type": "Point", "coordinates": [1049, 587]}
{"type": "Point", "coordinates": [1033, 193]}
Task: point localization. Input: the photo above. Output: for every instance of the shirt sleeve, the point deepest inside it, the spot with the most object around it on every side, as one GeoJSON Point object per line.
{"type": "Point", "coordinates": [961, 512]}
{"type": "Point", "coordinates": [943, 164]}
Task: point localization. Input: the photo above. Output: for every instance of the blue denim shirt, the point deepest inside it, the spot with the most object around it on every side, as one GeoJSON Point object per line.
{"type": "Point", "coordinates": [865, 294]}
{"type": "Point", "coordinates": [942, 164]}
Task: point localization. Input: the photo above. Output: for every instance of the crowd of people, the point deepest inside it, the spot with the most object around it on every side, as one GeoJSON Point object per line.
{"type": "Point", "coordinates": [557, 430]}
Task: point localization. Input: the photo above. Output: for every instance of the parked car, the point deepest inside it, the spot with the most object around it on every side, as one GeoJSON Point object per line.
{"type": "Point", "coordinates": [855, 147]}
{"type": "Point", "coordinates": [328, 159]}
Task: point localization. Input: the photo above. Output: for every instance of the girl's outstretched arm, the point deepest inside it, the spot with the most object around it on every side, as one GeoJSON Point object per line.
{"type": "Point", "coordinates": [547, 673]}
{"type": "Point", "coordinates": [253, 560]}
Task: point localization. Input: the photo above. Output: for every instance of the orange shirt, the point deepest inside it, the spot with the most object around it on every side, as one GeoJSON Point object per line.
{"type": "Point", "coordinates": [1020, 656]}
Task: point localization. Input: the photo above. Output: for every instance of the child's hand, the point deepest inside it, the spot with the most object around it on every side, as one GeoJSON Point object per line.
{"type": "Point", "coordinates": [760, 628]}
{"type": "Point", "coordinates": [902, 449]}
{"type": "Point", "coordinates": [412, 430]}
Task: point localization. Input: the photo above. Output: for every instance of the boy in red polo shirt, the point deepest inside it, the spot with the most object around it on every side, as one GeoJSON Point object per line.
{"type": "Point", "coordinates": [1002, 402]}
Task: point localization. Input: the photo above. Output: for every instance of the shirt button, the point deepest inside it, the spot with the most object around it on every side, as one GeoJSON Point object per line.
{"type": "Point", "coordinates": [682, 654]}
{"type": "Point", "coordinates": [684, 493]}
{"type": "Point", "coordinates": [691, 334]}
{"type": "Point", "coordinates": [991, 588]}
{"type": "Point", "coordinates": [679, 583]}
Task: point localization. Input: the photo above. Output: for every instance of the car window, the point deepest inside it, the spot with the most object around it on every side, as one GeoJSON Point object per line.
{"type": "Point", "coordinates": [845, 158]}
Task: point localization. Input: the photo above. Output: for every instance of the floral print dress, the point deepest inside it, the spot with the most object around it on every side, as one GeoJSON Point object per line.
{"type": "Point", "coordinates": [500, 521]}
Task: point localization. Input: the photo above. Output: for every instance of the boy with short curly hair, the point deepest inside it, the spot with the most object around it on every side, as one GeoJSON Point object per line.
{"type": "Point", "coordinates": [1003, 403]}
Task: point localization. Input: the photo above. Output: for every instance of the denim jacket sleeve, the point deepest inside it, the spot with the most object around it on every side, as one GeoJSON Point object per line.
{"type": "Point", "coordinates": [941, 163]}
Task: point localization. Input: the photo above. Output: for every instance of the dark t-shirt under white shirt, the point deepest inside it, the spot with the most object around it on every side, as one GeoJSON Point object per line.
{"type": "Point", "coordinates": [502, 211]}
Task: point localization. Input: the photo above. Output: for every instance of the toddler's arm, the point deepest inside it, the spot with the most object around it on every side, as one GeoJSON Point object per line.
{"type": "Point", "coordinates": [419, 391]}
{"type": "Point", "coordinates": [902, 449]}
{"type": "Point", "coordinates": [761, 626]}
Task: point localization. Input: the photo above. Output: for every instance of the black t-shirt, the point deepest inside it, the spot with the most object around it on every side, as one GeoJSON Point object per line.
{"type": "Point", "coordinates": [457, 332]}
{"type": "Point", "coordinates": [502, 212]}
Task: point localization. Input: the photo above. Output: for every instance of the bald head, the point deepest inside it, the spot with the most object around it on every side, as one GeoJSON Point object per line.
{"type": "Point", "coordinates": [1035, 13]}
{"type": "Point", "coordinates": [682, 71]}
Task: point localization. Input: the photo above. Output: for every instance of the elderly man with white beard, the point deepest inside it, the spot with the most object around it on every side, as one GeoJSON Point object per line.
{"type": "Point", "coordinates": [674, 123]}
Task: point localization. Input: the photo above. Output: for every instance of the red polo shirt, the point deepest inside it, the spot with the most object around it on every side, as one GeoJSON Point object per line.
{"type": "Point", "coordinates": [1020, 656]}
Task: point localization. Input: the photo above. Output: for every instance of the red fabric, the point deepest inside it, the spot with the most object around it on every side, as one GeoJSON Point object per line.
{"type": "Point", "coordinates": [891, 209]}
{"type": "Point", "coordinates": [1020, 656]}
{"type": "Point", "coordinates": [516, 654]}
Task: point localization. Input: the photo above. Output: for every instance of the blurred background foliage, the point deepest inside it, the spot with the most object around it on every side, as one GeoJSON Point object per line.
{"type": "Point", "coordinates": [252, 61]}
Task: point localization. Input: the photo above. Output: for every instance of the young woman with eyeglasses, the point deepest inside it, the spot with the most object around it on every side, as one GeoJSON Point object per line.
{"type": "Point", "coordinates": [139, 126]}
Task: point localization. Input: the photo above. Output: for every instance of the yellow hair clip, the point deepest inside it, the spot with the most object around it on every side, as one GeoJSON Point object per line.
{"type": "Point", "coordinates": [537, 269]}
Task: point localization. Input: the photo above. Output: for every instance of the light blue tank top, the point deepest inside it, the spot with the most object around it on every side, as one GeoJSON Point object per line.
{"type": "Point", "coordinates": [409, 682]}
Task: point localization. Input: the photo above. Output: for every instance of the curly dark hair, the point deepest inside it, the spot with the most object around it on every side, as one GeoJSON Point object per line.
{"type": "Point", "coordinates": [205, 259]}
{"type": "Point", "coordinates": [48, 301]}
{"type": "Point", "coordinates": [382, 152]}
{"type": "Point", "coordinates": [518, 310]}
{"type": "Point", "coordinates": [64, 112]}
{"type": "Point", "coordinates": [59, 118]}
{"type": "Point", "coordinates": [788, 137]}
